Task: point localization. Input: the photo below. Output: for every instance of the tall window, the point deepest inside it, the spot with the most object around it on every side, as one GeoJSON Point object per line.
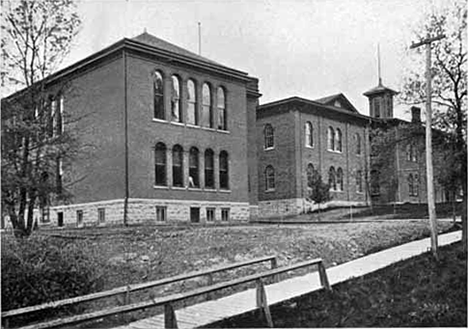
{"type": "Point", "coordinates": [223, 170]}
{"type": "Point", "coordinates": [309, 138]}
{"type": "Point", "coordinates": [377, 107]}
{"type": "Point", "coordinates": [160, 164]}
{"type": "Point", "coordinates": [331, 139]}
{"type": "Point", "coordinates": [389, 106]}
{"type": "Point", "coordinates": [411, 185]}
{"type": "Point", "coordinates": [206, 108]}
{"type": "Point", "coordinates": [177, 166]}
{"type": "Point", "coordinates": [158, 96]}
{"type": "Point", "coordinates": [339, 179]}
{"type": "Point", "coordinates": [359, 181]}
{"type": "Point", "coordinates": [375, 182]}
{"type": "Point", "coordinates": [332, 178]}
{"type": "Point", "coordinates": [191, 103]}
{"type": "Point", "coordinates": [310, 175]}
{"type": "Point", "coordinates": [59, 126]}
{"type": "Point", "coordinates": [209, 169]}
{"type": "Point", "coordinates": [358, 144]}
{"type": "Point", "coordinates": [411, 154]}
{"type": "Point", "coordinates": [416, 185]}
{"type": "Point", "coordinates": [194, 180]}
{"type": "Point", "coordinates": [269, 178]}
{"type": "Point", "coordinates": [338, 140]}
{"type": "Point", "coordinates": [175, 100]}
{"type": "Point", "coordinates": [269, 136]}
{"type": "Point", "coordinates": [221, 109]}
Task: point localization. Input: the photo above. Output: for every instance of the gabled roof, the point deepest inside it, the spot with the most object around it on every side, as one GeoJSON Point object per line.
{"type": "Point", "coordinates": [151, 40]}
{"type": "Point", "coordinates": [344, 103]}
{"type": "Point", "coordinates": [149, 44]}
{"type": "Point", "coordinates": [304, 104]}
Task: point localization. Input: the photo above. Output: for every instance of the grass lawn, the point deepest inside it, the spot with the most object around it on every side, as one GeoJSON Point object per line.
{"type": "Point", "coordinates": [145, 253]}
{"type": "Point", "coordinates": [418, 292]}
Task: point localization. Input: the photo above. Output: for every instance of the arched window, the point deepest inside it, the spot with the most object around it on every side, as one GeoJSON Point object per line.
{"type": "Point", "coordinates": [192, 117]}
{"type": "Point", "coordinates": [269, 136]}
{"type": "Point", "coordinates": [375, 182]}
{"type": "Point", "coordinates": [358, 144]}
{"type": "Point", "coordinates": [269, 178]}
{"type": "Point", "coordinates": [408, 152]}
{"type": "Point", "coordinates": [177, 166]}
{"type": "Point", "coordinates": [223, 170]}
{"type": "Point", "coordinates": [221, 109]}
{"type": "Point", "coordinates": [339, 179]}
{"type": "Point", "coordinates": [331, 139]}
{"type": "Point", "coordinates": [414, 154]}
{"type": "Point", "coordinates": [338, 140]}
{"type": "Point", "coordinates": [206, 120]}
{"type": "Point", "coordinates": [209, 169]}
{"type": "Point", "coordinates": [359, 181]}
{"type": "Point", "coordinates": [332, 178]}
{"type": "Point", "coordinates": [309, 138]}
{"type": "Point", "coordinates": [410, 185]}
{"type": "Point", "coordinates": [175, 100]}
{"type": "Point", "coordinates": [310, 175]}
{"type": "Point", "coordinates": [158, 96]}
{"type": "Point", "coordinates": [160, 163]}
{"type": "Point", "coordinates": [194, 174]}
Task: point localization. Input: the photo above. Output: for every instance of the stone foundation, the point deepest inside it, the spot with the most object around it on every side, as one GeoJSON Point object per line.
{"type": "Point", "coordinates": [140, 211]}
{"type": "Point", "coordinates": [292, 207]}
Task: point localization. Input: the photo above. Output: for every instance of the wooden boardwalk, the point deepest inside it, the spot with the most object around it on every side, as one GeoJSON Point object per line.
{"type": "Point", "coordinates": [245, 301]}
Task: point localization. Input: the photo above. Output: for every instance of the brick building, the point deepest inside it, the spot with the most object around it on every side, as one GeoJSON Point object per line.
{"type": "Point", "coordinates": [328, 135]}
{"type": "Point", "coordinates": [169, 137]}
{"type": "Point", "coordinates": [398, 170]}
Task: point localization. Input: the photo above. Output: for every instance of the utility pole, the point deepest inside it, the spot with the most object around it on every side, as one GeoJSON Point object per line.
{"type": "Point", "coordinates": [429, 168]}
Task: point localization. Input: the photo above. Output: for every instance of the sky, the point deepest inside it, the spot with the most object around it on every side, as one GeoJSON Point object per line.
{"type": "Point", "coordinates": [309, 48]}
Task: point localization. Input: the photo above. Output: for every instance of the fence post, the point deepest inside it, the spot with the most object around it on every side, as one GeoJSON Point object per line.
{"type": "Point", "coordinates": [127, 296]}
{"type": "Point", "coordinates": [170, 321]}
{"type": "Point", "coordinates": [262, 303]}
{"type": "Point", "coordinates": [273, 263]}
{"type": "Point", "coordinates": [323, 276]}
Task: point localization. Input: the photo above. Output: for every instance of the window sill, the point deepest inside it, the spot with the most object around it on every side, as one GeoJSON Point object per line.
{"type": "Point", "coordinates": [177, 123]}
{"type": "Point", "coordinates": [270, 191]}
{"type": "Point", "coordinates": [309, 147]}
{"type": "Point", "coordinates": [180, 188]}
{"type": "Point", "coordinates": [269, 148]}
{"type": "Point", "coordinates": [194, 189]}
{"type": "Point", "coordinates": [161, 187]}
{"type": "Point", "coordinates": [333, 151]}
{"type": "Point", "coordinates": [189, 125]}
{"type": "Point", "coordinates": [223, 131]}
{"type": "Point", "coordinates": [360, 193]}
{"type": "Point", "coordinates": [210, 190]}
{"type": "Point", "coordinates": [224, 191]}
{"type": "Point", "coordinates": [160, 120]}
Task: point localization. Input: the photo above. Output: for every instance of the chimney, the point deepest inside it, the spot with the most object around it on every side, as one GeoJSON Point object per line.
{"type": "Point", "coordinates": [415, 114]}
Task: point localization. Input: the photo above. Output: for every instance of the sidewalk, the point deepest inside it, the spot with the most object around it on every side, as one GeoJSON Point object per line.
{"type": "Point", "coordinates": [245, 301]}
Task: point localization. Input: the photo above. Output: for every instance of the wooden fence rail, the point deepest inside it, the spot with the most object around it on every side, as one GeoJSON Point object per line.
{"type": "Point", "coordinates": [133, 287]}
{"type": "Point", "coordinates": [168, 301]}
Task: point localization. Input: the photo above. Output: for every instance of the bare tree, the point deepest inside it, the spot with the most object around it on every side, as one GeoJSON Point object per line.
{"type": "Point", "coordinates": [449, 83]}
{"type": "Point", "coordinates": [35, 147]}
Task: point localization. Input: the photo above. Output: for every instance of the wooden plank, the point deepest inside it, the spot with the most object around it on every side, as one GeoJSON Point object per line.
{"type": "Point", "coordinates": [130, 288]}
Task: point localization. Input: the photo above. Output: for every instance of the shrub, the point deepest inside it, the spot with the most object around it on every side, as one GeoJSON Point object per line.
{"type": "Point", "coordinates": [40, 269]}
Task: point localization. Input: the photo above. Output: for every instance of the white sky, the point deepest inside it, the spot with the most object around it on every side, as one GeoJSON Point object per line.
{"type": "Point", "coordinates": [309, 48]}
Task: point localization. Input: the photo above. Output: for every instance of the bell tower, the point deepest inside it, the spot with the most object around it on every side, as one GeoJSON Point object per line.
{"type": "Point", "coordinates": [380, 97]}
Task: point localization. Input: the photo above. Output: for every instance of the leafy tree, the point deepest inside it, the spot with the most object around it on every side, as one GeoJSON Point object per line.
{"type": "Point", "coordinates": [36, 36]}
{"type": "Point", "coordinates": [318, 191]}
{"type": "Point", "coordinates": [449, 83]}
